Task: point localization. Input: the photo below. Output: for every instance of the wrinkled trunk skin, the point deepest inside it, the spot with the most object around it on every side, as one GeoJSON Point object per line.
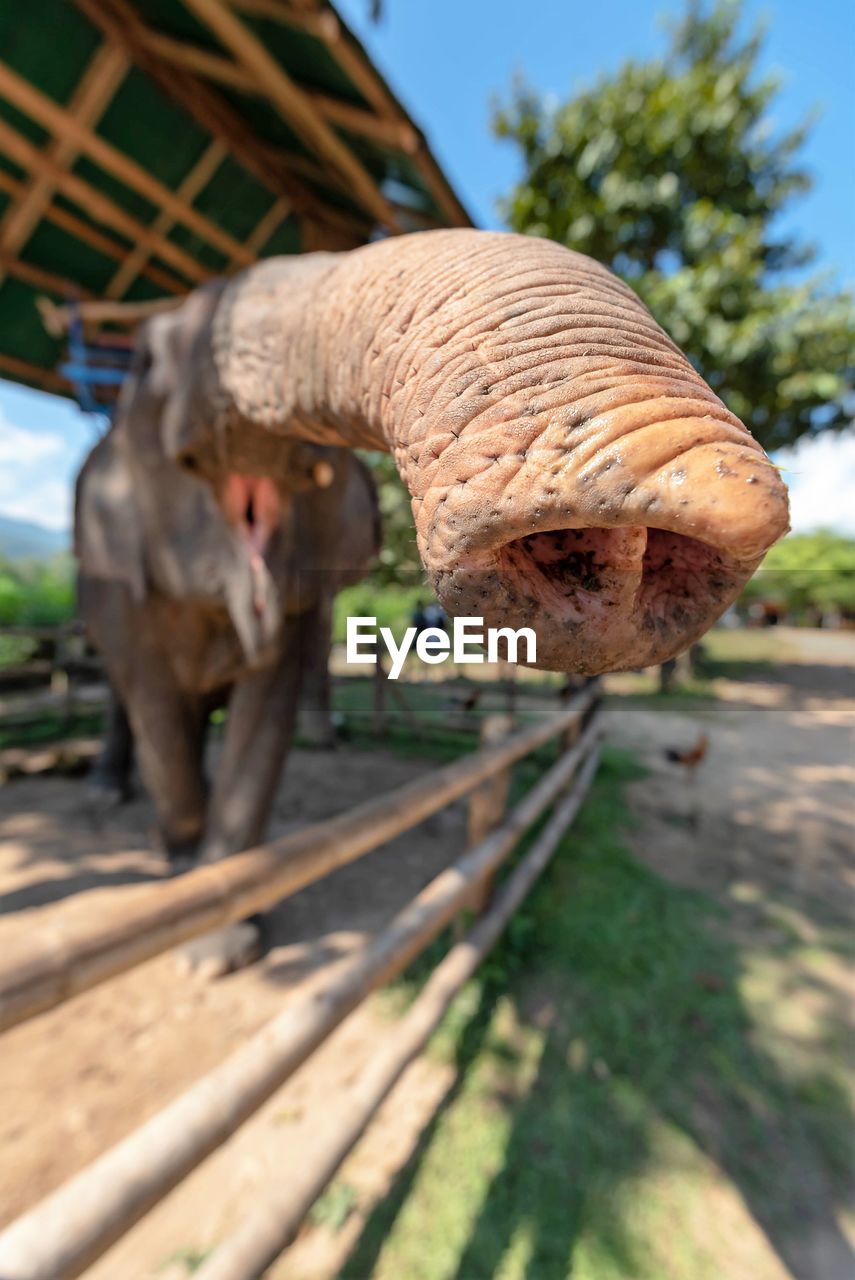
{"type": "Point", "coordinates": [569, 469]}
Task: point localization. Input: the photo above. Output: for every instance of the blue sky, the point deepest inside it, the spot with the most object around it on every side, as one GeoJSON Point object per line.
{"type": "Point", "coordinates": [447, 60]}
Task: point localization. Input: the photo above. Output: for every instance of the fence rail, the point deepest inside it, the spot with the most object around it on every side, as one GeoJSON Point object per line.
{"type": "Point", "coordinates": [106, 932]}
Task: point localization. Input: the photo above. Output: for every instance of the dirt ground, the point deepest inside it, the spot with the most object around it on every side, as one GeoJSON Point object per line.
{"type": "Point", "coordinates": [766, 821]}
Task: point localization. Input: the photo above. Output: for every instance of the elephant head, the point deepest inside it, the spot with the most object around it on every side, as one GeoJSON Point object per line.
{"type": "Point", "coordinates": [228, 543]}
{"type": "Point", "coordinates": [569, 469]}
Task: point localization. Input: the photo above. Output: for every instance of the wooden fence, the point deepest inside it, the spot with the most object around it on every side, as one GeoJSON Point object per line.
{"type": "Point", "coordinates": [82, 942]}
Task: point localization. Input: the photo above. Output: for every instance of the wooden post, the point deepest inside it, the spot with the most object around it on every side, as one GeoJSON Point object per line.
{"type": "Point", "coordinates": [510, 683]}
{"type": "Point", "coordinates": [79, 944]}
{"type": "Point", "coordinates": [379, 697]}
{"type": "Point", "coordinates": [487, 805]}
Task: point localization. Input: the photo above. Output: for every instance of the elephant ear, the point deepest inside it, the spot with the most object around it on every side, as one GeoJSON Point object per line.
{"type": "Point", "coordinates": [108, 538]}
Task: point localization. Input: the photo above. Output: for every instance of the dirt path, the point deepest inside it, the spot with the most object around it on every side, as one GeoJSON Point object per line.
{"type": "Point", "coordinates": [766, 826]}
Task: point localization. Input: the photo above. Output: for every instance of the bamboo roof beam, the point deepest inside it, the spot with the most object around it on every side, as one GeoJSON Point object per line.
{"type": "Point", "coordinates": [294, 106]}
{"type": "Point", "coordinates": [264, 228]}
{"type": "Point", "coordinates": [57, 319]}
{"type": "Point", "coordinates": [361, 72]}
{"type": "Point", "coordinates": [23, 371]}
{"type": "Point", "coordinates": [314, 24]}
{"type": "Point", "coordinates": [38, 277]}
{"type": "Point", "coordinates": [398, 134]}
{"type": "Point", "coordinates": [99, 207]}
{"type": "Point", "coordinates": [90, 235]}
{"type": "Point", "coordinates": [59, 121]}
{"type": "Point", "coordinates": [202, 62]}
{"type": "Point", "coordinates": [195, 181]}
{"type": "Point", "coordinates": [122, 25]}
{"type": "Point", "coordinates": [97, 86]}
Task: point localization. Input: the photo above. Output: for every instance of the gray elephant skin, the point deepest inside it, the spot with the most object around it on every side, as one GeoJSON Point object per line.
{"type": "Point", "coordinates": [569, 469]}
{"type": "Point", "coordinates": [199, 596]}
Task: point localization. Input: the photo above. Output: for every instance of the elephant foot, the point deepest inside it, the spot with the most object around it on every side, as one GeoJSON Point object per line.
{"type": "Point", "coordinates": [222, 952]}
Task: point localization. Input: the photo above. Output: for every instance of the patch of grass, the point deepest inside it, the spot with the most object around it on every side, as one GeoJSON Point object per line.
{"type": "Point", "coordinates": [748, 645]}
{"type": "Point", "coordinates": [51, 727]}
{"type": "Point", "coordinates": [189, 1258]}
{"type": "Point", "coordinates": [608, 1082]}
{"type": "Point", "coordinates": [334, 1207]}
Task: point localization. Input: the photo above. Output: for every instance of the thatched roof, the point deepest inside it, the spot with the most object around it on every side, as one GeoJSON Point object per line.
{"type": "Point", "coordinates": [147, 145]}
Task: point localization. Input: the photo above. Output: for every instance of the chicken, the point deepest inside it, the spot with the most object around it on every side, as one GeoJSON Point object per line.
{"type": "Point", "coordinates": [466, 701]}
{"type": "Point", "coordinates": [689, 759]}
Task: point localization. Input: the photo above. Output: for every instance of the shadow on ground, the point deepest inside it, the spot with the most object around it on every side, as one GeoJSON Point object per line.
{"type": "Point", "coordinates": [592, 1101]}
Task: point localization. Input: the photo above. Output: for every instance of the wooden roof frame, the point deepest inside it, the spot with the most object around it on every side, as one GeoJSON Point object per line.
{"type": "Point", "coordinates": [196, 78]}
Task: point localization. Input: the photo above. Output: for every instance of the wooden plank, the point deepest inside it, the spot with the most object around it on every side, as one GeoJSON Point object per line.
{"type": "Point", "coordinates": [94, 91]}
{"type": "Point", "coordinates": [73, 1226]}
{"type": "Point", "coordinates": [264, 228]}
{"type": "Point", "coordinates": [121, 24]}
{"type": "Point", "coordinates": [38, 277]}
{"type": "Point", "coordinates": [92, 236]}
{"type": "Point", "coordinates": [73, 950]}
{"type": "Point", "coordinates": [251, 1249]}
{"type": "Point", "coordinates": [98, 206]}
{"type": "Point", "coordinates": [398, 134]}
{"type": "Point", "coordinates": [439, 187]}
{"type": "Point", "coordinates": [50, 115]}
{"type": "Point", "coordinates": [294, 106]}
{"type": "Point", "coordinates": [195, 181]}
{"type": "Point", "coordinates": [362, 73]}
{"type": "Point", "coordinates": [23, 371]}
{"type": "Point", "coordinates": [213, 66]}
{"type": "Point", "coordinates": [358, 68]}
{"type": "Point", "coordinates": [314, 24]}
{"type": "Point", "coordinates": [57, 319]}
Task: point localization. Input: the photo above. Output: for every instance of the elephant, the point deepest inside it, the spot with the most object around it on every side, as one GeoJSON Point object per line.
{"type": "Point", "coordinates": [197, 600]}
{"type": "Point", "coordinates": [569, 469]}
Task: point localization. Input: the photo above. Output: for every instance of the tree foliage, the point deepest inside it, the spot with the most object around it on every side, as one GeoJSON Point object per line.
{"type": "Point", "coordinates": [398, 563]}
{"type": "Point", "coordinates": [670, 173]}
{"type": "Point", "coordinates": [808, 573]}
{"type": "Point", "coordinates": [37, 593]}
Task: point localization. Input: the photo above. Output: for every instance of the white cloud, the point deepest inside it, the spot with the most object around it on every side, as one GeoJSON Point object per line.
{"type": "Point", "coordinates": [820, 475]}
{"type": "Point", "coordinates": [33, 485]}
{"type": "Point", "coordinates": [20, 448]}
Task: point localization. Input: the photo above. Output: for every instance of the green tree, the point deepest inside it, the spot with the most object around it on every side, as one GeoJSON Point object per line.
{"type": "Point", "coordinates": [36, 593]}
{"type": "Point", "coordinates": [670, 173]}
{"type": "Point", "coordinates": [808, 573]}
{"type": "Point", "coordinates": [399, 562]}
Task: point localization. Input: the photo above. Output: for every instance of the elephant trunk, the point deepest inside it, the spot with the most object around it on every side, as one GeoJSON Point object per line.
{"type": "Point", "coordinates": [568, 467]}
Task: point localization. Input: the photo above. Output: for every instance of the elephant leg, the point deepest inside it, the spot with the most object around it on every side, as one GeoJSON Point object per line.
{"type": "Point", "coordinates": [259, 730]}
{"type": "Point", "coordinates": [110, 780]}
{"type": "Point", "coordinates": [169, 733]}
{"type": "Point", "coordinates": [315, 723]}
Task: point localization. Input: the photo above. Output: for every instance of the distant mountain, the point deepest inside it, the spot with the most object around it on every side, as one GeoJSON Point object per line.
{"type": "Point", "coordinates": [26, 540]}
